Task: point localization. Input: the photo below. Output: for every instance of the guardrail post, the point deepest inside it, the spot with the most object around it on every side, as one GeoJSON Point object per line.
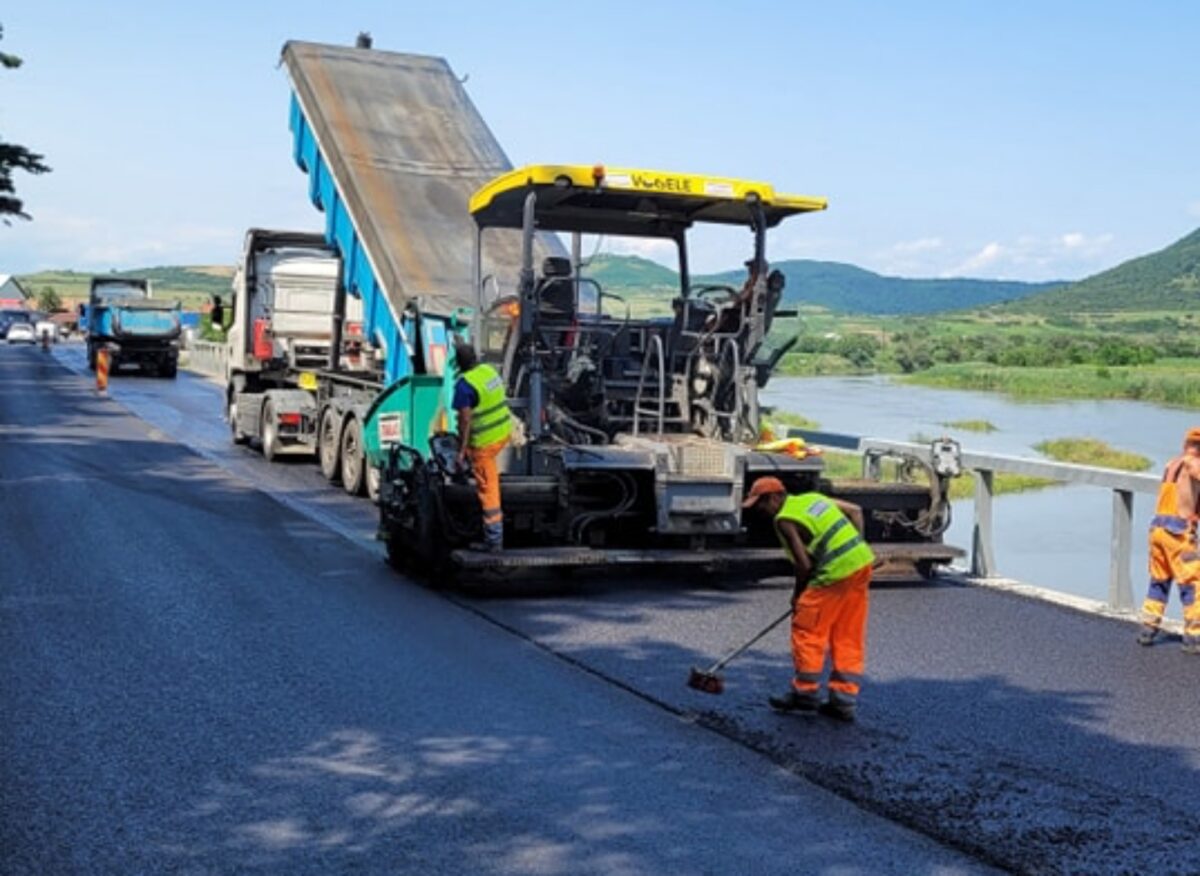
{"type": "Point", "coordinates": [983, 558]}
{"type": "Point", "coordinates": [1120, 588]}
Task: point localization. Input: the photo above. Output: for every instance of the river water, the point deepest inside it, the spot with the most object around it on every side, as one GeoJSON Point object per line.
{"type": "Point", "coordinates": [1057, 538]}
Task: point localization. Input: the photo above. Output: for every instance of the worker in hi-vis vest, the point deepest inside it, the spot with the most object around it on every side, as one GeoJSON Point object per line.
{"type": "Point", "coordinates": [823, 537]}
{"type": "Point", "coordinates": [1174, 556]}
{"type": "Point", "coordinates": [484, 426]}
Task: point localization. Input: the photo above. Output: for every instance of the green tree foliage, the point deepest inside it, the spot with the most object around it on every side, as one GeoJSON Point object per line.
{"type": "Point", "coordinates": [14, 157]}
{"type": "Point", "coordinates": [49, 300]}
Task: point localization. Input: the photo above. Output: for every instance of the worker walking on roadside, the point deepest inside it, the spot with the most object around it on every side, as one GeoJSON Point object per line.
{"type": "Point", "coordinates": [1174, 556]}
{"type": "Point", "coordinates": [823, 537]}
{"type": "Point", "coordinates": [484, 427]}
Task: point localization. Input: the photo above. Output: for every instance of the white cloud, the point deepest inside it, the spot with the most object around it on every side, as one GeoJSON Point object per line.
{"type": "Point", "coordinates": [924, 244]}
{"type": "Point", "coordinates": [908, 256]}
{"type": "Point", "coordinates": [1060, 256]}
{"type": "Point", "coordinates": [67, 240]}
{"type": "Point", "coordinates": [661, 251]}
{"type": "Point", "coordinates": [983, 260]}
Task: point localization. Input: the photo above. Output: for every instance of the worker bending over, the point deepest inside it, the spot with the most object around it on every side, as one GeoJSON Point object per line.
{"type": "Point", "coordinates": [823, 537]}
{"type": "Point", "coordinates": [484, 426]}
{"type": "Point", "coordinates": [1173, 551]}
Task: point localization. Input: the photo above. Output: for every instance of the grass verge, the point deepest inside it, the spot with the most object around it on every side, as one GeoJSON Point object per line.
{"type": "Point", "coordinates": [1090, 451]}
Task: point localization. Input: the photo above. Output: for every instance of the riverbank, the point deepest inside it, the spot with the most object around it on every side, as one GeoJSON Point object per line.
{"type": "Point", "coordinates": [1173, 382]}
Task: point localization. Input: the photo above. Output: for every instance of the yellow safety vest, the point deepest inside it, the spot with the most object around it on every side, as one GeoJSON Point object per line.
{"type": "Point", "coordinates": [491, 421]}
{"type": "Point", "coordinates": [836, 547]}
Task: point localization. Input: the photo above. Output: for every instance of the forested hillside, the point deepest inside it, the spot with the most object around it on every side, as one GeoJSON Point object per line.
{"type": "Point", "coordinates": [838, 287]}
{"type": "Point", "coordinates": [1165, 280]}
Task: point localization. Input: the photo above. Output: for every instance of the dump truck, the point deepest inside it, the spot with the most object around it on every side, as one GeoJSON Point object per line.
{"type": "Point", "coordinates": [641, 433]}
{"type": "Point", "coordinates": [124, 318]}
{"type": "Point", "coordinates": [281, 365]}
{"type": "Point", "coordinates": [640, 436]}
{"type": "Point", "coordinates": [323, 322]}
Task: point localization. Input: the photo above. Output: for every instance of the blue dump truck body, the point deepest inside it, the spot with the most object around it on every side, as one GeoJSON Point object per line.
{"type": "Point", "coordinates": [124, 319]}
{"type": "Point", "coordinates": [393, 149]}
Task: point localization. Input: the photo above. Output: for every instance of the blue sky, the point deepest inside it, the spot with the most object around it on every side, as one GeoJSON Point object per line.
{"type": "Point", "coordinates": [1017, 140]}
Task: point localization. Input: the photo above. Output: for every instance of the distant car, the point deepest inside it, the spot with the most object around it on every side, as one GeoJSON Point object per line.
{"type": "Point", "coordinates": [21, 333]}
{"type": "Point", "coordinates": [46, 327]}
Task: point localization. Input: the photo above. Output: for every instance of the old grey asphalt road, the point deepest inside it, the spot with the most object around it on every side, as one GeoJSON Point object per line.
{"type": "Point", "coordinates": [194, 677]}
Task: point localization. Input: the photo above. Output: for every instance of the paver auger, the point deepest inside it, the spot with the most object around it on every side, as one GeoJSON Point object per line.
{"type": "Point", "coordinates": [636, 435]}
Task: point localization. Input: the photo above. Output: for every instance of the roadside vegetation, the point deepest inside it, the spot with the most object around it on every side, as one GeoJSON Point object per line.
{"type": "Point", "coordinates": [842, 465]}
{"type": "Point", "coordinates": [971, 425]}
{"type": "Point", "coordinates": [1090, 451]}
{"type": "Point", "coordinates": [194, 286]}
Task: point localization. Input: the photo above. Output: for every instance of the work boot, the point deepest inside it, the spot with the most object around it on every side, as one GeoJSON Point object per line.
{"type": "Point", "coordinates": [1147, 636]}
{"type": "Point", "coordinates": [487, 547]}
{"type": "Point", "coordinates": [1191, 646]}
{"type": "Point", "coordinates": [838, 711]}
{"type": "Point", "coordinates": [794, 701]}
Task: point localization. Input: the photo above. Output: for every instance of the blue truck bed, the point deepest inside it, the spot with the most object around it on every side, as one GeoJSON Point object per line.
{"type": "Point", "coordinates": [394, 148]}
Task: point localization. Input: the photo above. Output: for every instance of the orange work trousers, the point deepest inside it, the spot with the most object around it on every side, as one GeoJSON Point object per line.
{"type": "Point", "coordinates": [832, 620]}
{"type": "Point", "coordinates": [487, 485]}
{"type": "Point", "coordinates": [1174, 559]}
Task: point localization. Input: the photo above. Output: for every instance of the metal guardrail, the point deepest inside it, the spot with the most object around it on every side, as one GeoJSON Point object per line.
{"type": "Point", "coordinates": [206, 357]}
{"type": "Point", "coordinates": [986, 465]}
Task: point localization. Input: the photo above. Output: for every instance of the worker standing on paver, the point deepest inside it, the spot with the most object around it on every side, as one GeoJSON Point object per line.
{"type": "Point", "coordinates": [1174, 556]}
{"type": "Point", "coordinates": [823, 537]}
{"type": "Point", "coordinates": [484, 427]}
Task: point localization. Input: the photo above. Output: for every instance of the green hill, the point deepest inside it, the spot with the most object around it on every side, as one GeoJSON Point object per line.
{"type": "Point", "coordinates": [191, 284]}
{"type": "Point", "coordinates": [1165, 280]}
{"type": "Point", "coordinates": [836, 286]}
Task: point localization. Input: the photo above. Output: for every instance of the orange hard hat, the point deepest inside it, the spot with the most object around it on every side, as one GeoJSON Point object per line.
{"type": "Point", "coordinates": [763, 487]}
{"type": "Point", "coordinates": [1192, 436]}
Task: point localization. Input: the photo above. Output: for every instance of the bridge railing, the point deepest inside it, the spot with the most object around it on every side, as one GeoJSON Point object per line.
{"type": "Point", "coordinates": [206, 358]}
{"type": "Point", "coordinates": [986, 465]}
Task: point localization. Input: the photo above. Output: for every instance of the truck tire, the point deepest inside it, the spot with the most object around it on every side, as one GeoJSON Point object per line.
{"type": "Point", "coordinates": [270, 433]}
{"type": "Point", "coordinates": [354, 464]}
{"type": "Point", "coordinates": [231, 412]}
{"type": "Point", "coordinates": [328, 445]}
{"type": "Point", "coordinates": [373, 478]}
{"type": "Point", "coordinates": [169, 371]}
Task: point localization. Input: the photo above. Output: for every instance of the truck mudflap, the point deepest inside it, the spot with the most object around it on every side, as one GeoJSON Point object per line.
{"type": "Point", "coordinates": [894, 559]}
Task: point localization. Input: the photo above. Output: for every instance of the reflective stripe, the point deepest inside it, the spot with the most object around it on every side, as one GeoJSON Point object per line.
{"type": "Point", "coordinates": [836, 547]}
{"type": "Point", "coordinates": [812, 677]}
{"type": "Point", "coordinates": [490, 421]}
{"type": "Point", "coordinates": [1172, 523]}
{"type": "Point", "coordinates": [841, 550]}
{"type": "Point", "coordinates": [492, 409]}
{"type": "Point", "coordinates": [818, 547]}
{"type": "Point", "coordinates": [851, 677]}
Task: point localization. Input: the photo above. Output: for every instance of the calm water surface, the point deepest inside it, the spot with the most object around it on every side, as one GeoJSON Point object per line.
{"type": "Point", "coordinates": [1057, 538]}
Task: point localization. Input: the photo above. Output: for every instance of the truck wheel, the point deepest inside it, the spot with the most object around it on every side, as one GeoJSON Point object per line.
{"type": "Point", "coordinates": [353, 463]}
{"type": "Point", "coordinates": [169, 371]}
{"type": "Point", "coordinates": [270, 433]}
{"type": "Point", "coordinates": [231, 411]}
{"type": "Point", "coordinates": [328, 446]}
{"type": "Point", "coordinates": [373, 478]}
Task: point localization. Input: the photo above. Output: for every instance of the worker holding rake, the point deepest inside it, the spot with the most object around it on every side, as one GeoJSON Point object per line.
{"type": "Point", "coordinates": [823, 537]}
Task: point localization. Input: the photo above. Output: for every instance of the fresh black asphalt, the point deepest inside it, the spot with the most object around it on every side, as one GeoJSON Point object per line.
{"type": "Point", "coordinates": [196, 678]}
{"type": "Point", "coordinates": [1034, 738]}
